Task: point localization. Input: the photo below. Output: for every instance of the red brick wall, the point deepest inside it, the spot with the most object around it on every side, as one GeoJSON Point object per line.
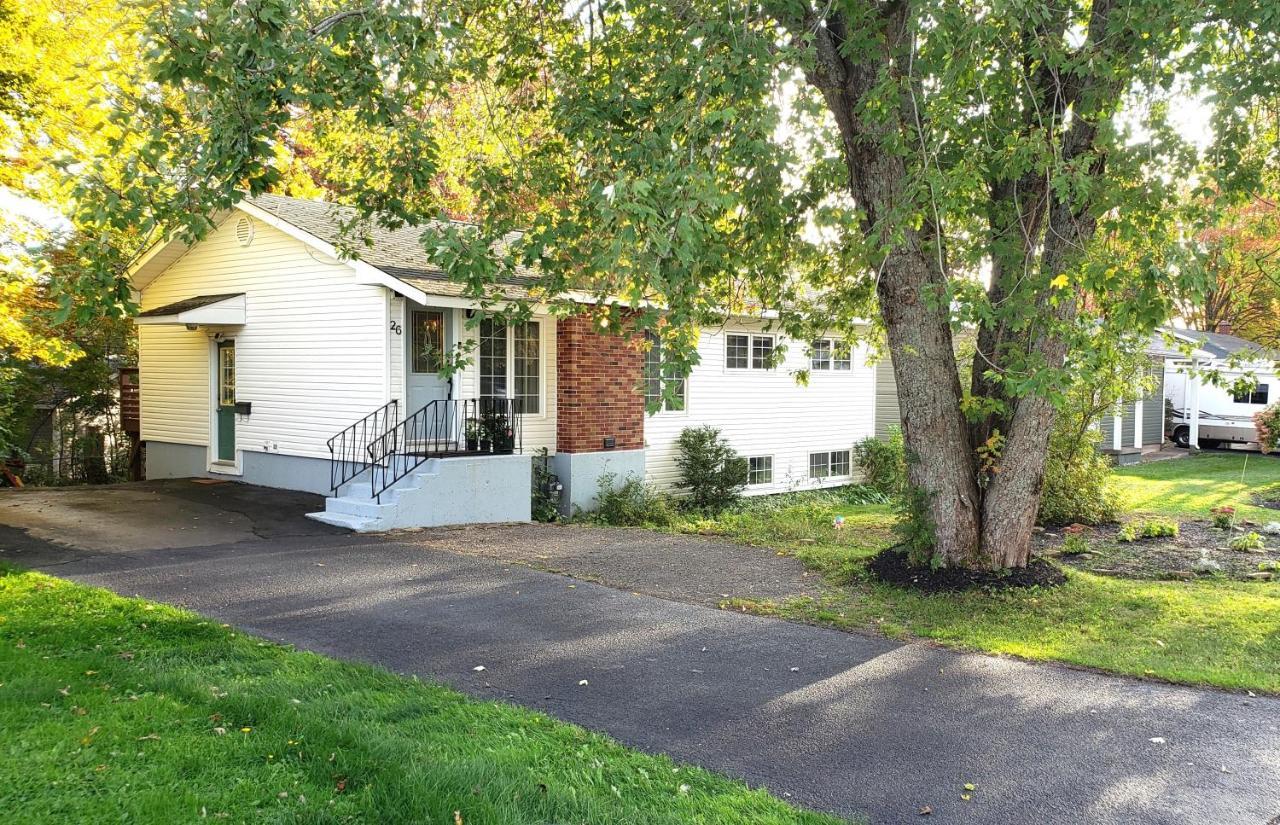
{"type": "Point", "coordinates": [598, 388]}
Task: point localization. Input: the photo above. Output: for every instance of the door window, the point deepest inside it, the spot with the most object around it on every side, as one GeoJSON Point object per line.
{"type": "Point", "coordinates": [427, 341]}
{"type": "Point", "coordinates": [227, 375]}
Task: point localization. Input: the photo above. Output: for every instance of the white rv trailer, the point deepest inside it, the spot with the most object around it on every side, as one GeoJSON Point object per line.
{"type": "Point", "coordinates": [1213, 413]}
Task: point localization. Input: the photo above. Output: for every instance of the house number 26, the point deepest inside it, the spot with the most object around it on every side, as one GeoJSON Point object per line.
{"type": "Point", "coordinates": [395, 327]}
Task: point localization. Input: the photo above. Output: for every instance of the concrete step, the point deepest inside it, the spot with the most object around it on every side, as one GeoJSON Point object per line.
{"type": "Point", "coordinates": [361, 507]}
{"type": "Point", "coordinates": [356, 523]}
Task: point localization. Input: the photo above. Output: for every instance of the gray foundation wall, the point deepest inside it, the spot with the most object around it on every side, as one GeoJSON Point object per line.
{"type": "Point", "coordinates": [286, 472]}
{"type": "Point", "coordinates": [165, 460]}
{"type": "Point", "coordinates": [580, 474]}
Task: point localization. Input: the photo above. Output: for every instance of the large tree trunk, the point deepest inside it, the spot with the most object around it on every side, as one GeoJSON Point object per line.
{"type": "Point", "coordinates": [912, 292]}
{"type": "Point", "coordinates": [936, 438]}
{"type": "Point", "coordinates": [974, 525]}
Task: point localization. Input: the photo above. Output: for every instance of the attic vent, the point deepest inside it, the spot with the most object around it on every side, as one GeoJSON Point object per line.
{"type": "Point", "coordinates": [244, 231]}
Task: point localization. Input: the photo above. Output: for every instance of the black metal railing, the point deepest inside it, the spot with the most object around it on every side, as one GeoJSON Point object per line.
{"type": "Point", "coordinates": [441, 429]}
{"type": "Point", "coordinates": [349, 449]}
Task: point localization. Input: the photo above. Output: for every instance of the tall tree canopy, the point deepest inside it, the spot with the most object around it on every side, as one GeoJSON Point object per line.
{"type": "Point", "coordinates": [1238, 261]}
{"type": "Point", "coordinates": [922, 163]}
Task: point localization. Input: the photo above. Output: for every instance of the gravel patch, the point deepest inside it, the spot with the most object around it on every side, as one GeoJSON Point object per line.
{"type": "Point", "coordinates": [691, 569]}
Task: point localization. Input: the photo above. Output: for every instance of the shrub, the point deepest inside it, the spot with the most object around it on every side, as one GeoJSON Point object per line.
{"type": "Point", "coordinates": [883, 463]}
{"type": "Point", "coordinates": [1267, 424]}
{"type": "Point", "coordinates": [832, 497]}
{"type": "Point", "coordinates": [545, 505]}
{"type": "Point", "coordinates": [1077, 482]}
{"type": "Point", "coordinates": [1223, 517]}
{"type": "Point", "coordinates": [1159, 528]}
{"type": "Point", "coordinates": [916, 529]}
{"type": "Point", "coordinates": [1149, 529]}
{"type": "Point", "coordinates": [710, 469]}
{"type": "Point", "coordinates": [1247, 542]}
{"type": "Point", "coordinates": [1075, 543]}
{"type": "Point", "coordinates": [633, 503]}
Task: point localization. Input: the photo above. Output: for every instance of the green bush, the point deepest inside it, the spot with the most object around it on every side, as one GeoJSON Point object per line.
{"type": "Point", "coordinates": [1074, 542]}
{"type": "Point", "coordinates": [710, 470]}
{"type": "Point", "coordinates": [832, 497]}
{"type": "Point", "coordinates": [545, 505]}
{"type": "Point", "coordinates": [1149, 529]}
{"type": "Point", "coordinates": [1077, 482]}
{"type": "Point", "coordinates": [633, 503]}
{"type": "Point", "coordinates": [883, 463]}
{"type": "Point", "coordinates": [1248, 541]}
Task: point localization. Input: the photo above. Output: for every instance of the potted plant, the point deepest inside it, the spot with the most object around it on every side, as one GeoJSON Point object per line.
{"type": "Point", "coordinates": [472, 432]}
{"type": "Point", "coordinates": [496, 432]}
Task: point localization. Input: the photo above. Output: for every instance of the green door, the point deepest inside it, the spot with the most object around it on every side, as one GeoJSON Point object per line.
{"type": "Point", "coordinates": [226, 400]}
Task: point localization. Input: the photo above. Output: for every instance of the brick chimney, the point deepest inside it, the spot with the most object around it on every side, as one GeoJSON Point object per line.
{"type": "Point", "coordinates": [1223, 327]}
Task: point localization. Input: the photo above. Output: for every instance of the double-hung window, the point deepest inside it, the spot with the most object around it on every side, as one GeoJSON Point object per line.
{"type": "Point", "coordinates": [832, 464]}
{"type": "Point", "coordinates": [663, 388]}
{"type": "Point", "coordinates": [510, 362]}
{"type": "Point", "coordinates": [760, 469]}
{"type": "Point", "coordinates": [743, 351]}
{"type": "Point", "coordinates": [831, 354]}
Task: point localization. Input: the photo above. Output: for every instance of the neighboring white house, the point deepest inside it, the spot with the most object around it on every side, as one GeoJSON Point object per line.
{"type": "Point", "coordinates": [1216, 391]}
{"type": "Point", "coordinates": [267, 358]}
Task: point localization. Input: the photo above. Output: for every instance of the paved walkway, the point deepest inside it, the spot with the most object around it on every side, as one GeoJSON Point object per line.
{"type": "Point", "coordinates": [835, 721]}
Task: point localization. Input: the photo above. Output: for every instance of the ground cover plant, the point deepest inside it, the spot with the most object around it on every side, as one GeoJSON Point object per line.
{"type": "Point", "coordinates": [1211, 629]}
{"type": "Point", "coordinates": [117, 710]}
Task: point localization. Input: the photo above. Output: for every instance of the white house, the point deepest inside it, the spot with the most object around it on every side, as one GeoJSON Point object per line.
{"type": "Point", "coordinates": [267, 358]}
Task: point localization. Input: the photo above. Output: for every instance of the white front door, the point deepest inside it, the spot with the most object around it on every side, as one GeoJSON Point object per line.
{"type": "Point", "coordinates": [428, 342]}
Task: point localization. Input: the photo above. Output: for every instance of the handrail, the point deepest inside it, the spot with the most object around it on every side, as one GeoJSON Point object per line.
{"type": "Point", "coordinates": [444, 428]}
{"type": "Point", "coordinates": [349, 449]}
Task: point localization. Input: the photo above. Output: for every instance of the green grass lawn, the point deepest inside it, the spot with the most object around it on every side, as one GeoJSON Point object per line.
{"type": "Point", "coordinates": [1210, 631]}
{"type": "Point", "coordinates": [1191, 487]}
{"type": "Point", "coordinates": [117, 710]}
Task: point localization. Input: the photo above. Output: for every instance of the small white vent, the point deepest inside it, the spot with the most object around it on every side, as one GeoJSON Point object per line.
{"type": "Point", "coordinates": [244, 231]}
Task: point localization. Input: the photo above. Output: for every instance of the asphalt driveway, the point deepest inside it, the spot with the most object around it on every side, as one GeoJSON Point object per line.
{"type": "Point", "coordinates": [841, 722]}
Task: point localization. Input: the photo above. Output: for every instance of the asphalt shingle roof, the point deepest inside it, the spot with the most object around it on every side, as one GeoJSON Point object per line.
{"type": "Point", "coordinates": [187, 304]}
{"type": "Point", "coordinates": [1221, 345]}
{"type": "Point", "coordinates": [397, 252]}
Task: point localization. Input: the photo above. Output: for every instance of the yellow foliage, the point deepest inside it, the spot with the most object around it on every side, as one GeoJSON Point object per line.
{"type": "Point", "coordinates": [24, 333]}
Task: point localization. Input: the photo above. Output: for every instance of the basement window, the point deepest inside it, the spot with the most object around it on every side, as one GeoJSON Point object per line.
{"type": "Point", "coordinates": [760, 469]}
{"type": "Point", "coordinates": [833, 464]}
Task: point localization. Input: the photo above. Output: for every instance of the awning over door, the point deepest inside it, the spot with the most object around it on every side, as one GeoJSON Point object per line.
{"type": "Point", "coordinates": [212, 310]}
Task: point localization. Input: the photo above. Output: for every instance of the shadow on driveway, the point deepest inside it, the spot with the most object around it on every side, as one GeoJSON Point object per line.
{"type": "Point", "coordinates": [836, 721]}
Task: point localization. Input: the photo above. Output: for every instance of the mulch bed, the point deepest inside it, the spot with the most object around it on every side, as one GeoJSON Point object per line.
{"type": "Point", "coordinates": [891, 566]}
{"type": "Point", "coordinates": [1175, 557]}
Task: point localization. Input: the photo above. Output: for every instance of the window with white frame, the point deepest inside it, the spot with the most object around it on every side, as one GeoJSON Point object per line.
{"type": "Point", "coordinates": [526, 366]}
{"type": "Point", "coordinates": [1257, 395]}
{"type": "Point", "coordinates": [737, 351]}
{"type": "Point", "coordinates": [663, 389]}
{"type": "Point", "coordinates": [760, 469]}
{"type": "Point", "coordinates": [743, 351]}
{"type": "Point", "coordinates": [832, 464]}
{"type": "Point", "coordinates": [510, 361]}
{"type": "Point", "coordinates": [841, 355]}
{"type": "Point", "coordinates": [831, 354]}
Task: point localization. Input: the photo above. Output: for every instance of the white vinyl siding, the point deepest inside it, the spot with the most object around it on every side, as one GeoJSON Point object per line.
{"type": "Point", "coordinates": [765, 412]}
{"type": "Point", "coordinates": [397, 340]}
{"type": "Point", "coordinates": [311, 358]}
